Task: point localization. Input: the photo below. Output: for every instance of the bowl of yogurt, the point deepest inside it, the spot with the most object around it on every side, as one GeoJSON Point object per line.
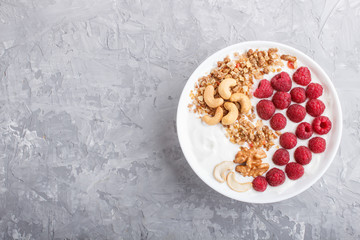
{"type": "Point", "coordinates": [206, 146]}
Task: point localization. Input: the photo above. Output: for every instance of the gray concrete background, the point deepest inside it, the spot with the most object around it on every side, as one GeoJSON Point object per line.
{"type": "Point", "coordinates": [89, 92]}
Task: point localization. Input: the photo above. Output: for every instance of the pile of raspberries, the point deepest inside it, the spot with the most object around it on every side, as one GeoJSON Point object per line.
{"type": "Point", "coordinates": [282, 99]}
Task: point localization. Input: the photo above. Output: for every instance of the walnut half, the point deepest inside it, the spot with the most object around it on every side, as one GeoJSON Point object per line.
{"type": "Point", "coordinates": [253, 162]}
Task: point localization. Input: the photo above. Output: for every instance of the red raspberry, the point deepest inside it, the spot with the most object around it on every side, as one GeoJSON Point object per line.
{"type": "Point", "coordinates": [288, 140]}
{"type": "Point", "coordinates": [281, 100]}
{"type": "Point", "coordinates": [278, 122]}
{"type": "Point", "coordinates": [304, 131]}
{"type": "Point", "coordinates": [275, 177]}
{"type": "Point", "coordinates": [317, 145]}
{"type": "Point", "coordinates": [314, 90]}
{"type": "Point", "coordinates": [302, 76]}
{"type": "Point", "coordinates": [281, 82]}
{"type": "Point", "coordinates": [259, 184]}
{"type": "Point", "coordinates": [321, 125]}
{"type": "Point", "coordinates": [264, 89]}
{"type": "Point", "coordinates": [265, 109]}
{"type": "Point", "coordinates": [302, 155]}
{"type": "Point", "coordinates": [281, 157]}
{"type": "Point", "coordinates": [298, 95]}
{"type": "Point", "coordinates": [294, 171]}
{"type": "Point", "coordinates": [296, 113]}
{"type": "Point", "coordinates": [315, 107]}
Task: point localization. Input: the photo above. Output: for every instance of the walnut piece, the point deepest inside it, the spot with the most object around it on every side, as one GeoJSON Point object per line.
{"type": "Point", "coordinates": [252, 158]}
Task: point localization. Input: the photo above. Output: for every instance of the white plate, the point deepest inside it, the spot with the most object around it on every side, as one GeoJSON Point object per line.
{"type": "Point", "coordinates": [313, 171]}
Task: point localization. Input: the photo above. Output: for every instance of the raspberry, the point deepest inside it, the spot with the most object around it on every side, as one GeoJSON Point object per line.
{"type": "Point", "coordinates": [265, 109]}
{"type": "Point", "coordinates": [294, 171]}
{"type": "Point", "coordinates": [298, 95]}
{"type": "Point", "coordinates": [275, 177]}
{"type": "Point", "coordinates": [321, 125]}
{"type": "Point", "coordinates": [304, 131]}
{"type": "Point", "coordinates": [302, 76]}
{"type": "Point", "coordinates": [264, 89]}
{"type": "Point", "coordinates": [281, 82]}
{"type": "Point", "coordinates": [288, 140]}
{"type": "Point", "coordinates": [315, 107]}
{"type": "Point", "coordinates": [281, 157]}
{"type": "Point", "coordinates": [259, 184]}
{"type": "Point", "coordinates": [314, 90]}
{"type": "Point", "coordinates": [296, 113]}
{"type": "Point", "coordinates": [278, 122]}
{"type": "Point", "coordinates": [281, 100]}
{"type": "Point", "coordinates": [302, 155]}
{"type": "Point", "coordinates": [317, 145]}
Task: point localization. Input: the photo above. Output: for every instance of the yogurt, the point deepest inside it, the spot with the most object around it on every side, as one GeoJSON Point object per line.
{"type": "Point", "coordinates": [210, 146]}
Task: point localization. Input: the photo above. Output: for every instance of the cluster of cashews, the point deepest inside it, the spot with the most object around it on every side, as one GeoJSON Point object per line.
{"type": "Point", "coordinates": [225, 93]}
{"type": "Point", "coordinates": [220, 171]}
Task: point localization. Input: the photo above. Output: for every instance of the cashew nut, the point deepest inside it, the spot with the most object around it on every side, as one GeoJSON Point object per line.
{"type": "Point", "coordinates": [243, 100]}
{"type": "Point", "coordinates": [224, 87]}
{"type": "Point", "coordinates": [235, 185]}
{"type": "Point", "coordinates": [232, 115]}
{"type": "Point", "coordinates": [215, 119]}
{"type": "Point", "coordinates": [221, 169]}
{"type": "Point", "coordinates": [209, 97]}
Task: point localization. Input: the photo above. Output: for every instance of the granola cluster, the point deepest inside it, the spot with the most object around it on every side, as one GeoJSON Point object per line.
{"type": "Point", "coordinates": [244, 69]}
{"type": "Point", "coordinates": [257, 136]}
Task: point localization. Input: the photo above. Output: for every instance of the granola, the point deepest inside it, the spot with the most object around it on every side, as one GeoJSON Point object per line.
{"type": "Point", "coordinates": [244, 69]}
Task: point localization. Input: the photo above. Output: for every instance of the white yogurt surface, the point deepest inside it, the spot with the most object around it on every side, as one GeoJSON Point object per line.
{"type": "Point", "coordinates": [210, 145]}
{"type": "Point", "coordinates": [205, 146]}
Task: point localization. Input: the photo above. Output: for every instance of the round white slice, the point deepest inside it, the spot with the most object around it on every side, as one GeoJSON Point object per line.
{"type": "Point", "coordinates": [235, 185]}
{"type": "Point", "coordinates": [221, 169]}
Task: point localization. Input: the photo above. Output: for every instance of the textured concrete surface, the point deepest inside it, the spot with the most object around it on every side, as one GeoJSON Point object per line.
{"type": "Point", "coordinates": [89, 91]}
